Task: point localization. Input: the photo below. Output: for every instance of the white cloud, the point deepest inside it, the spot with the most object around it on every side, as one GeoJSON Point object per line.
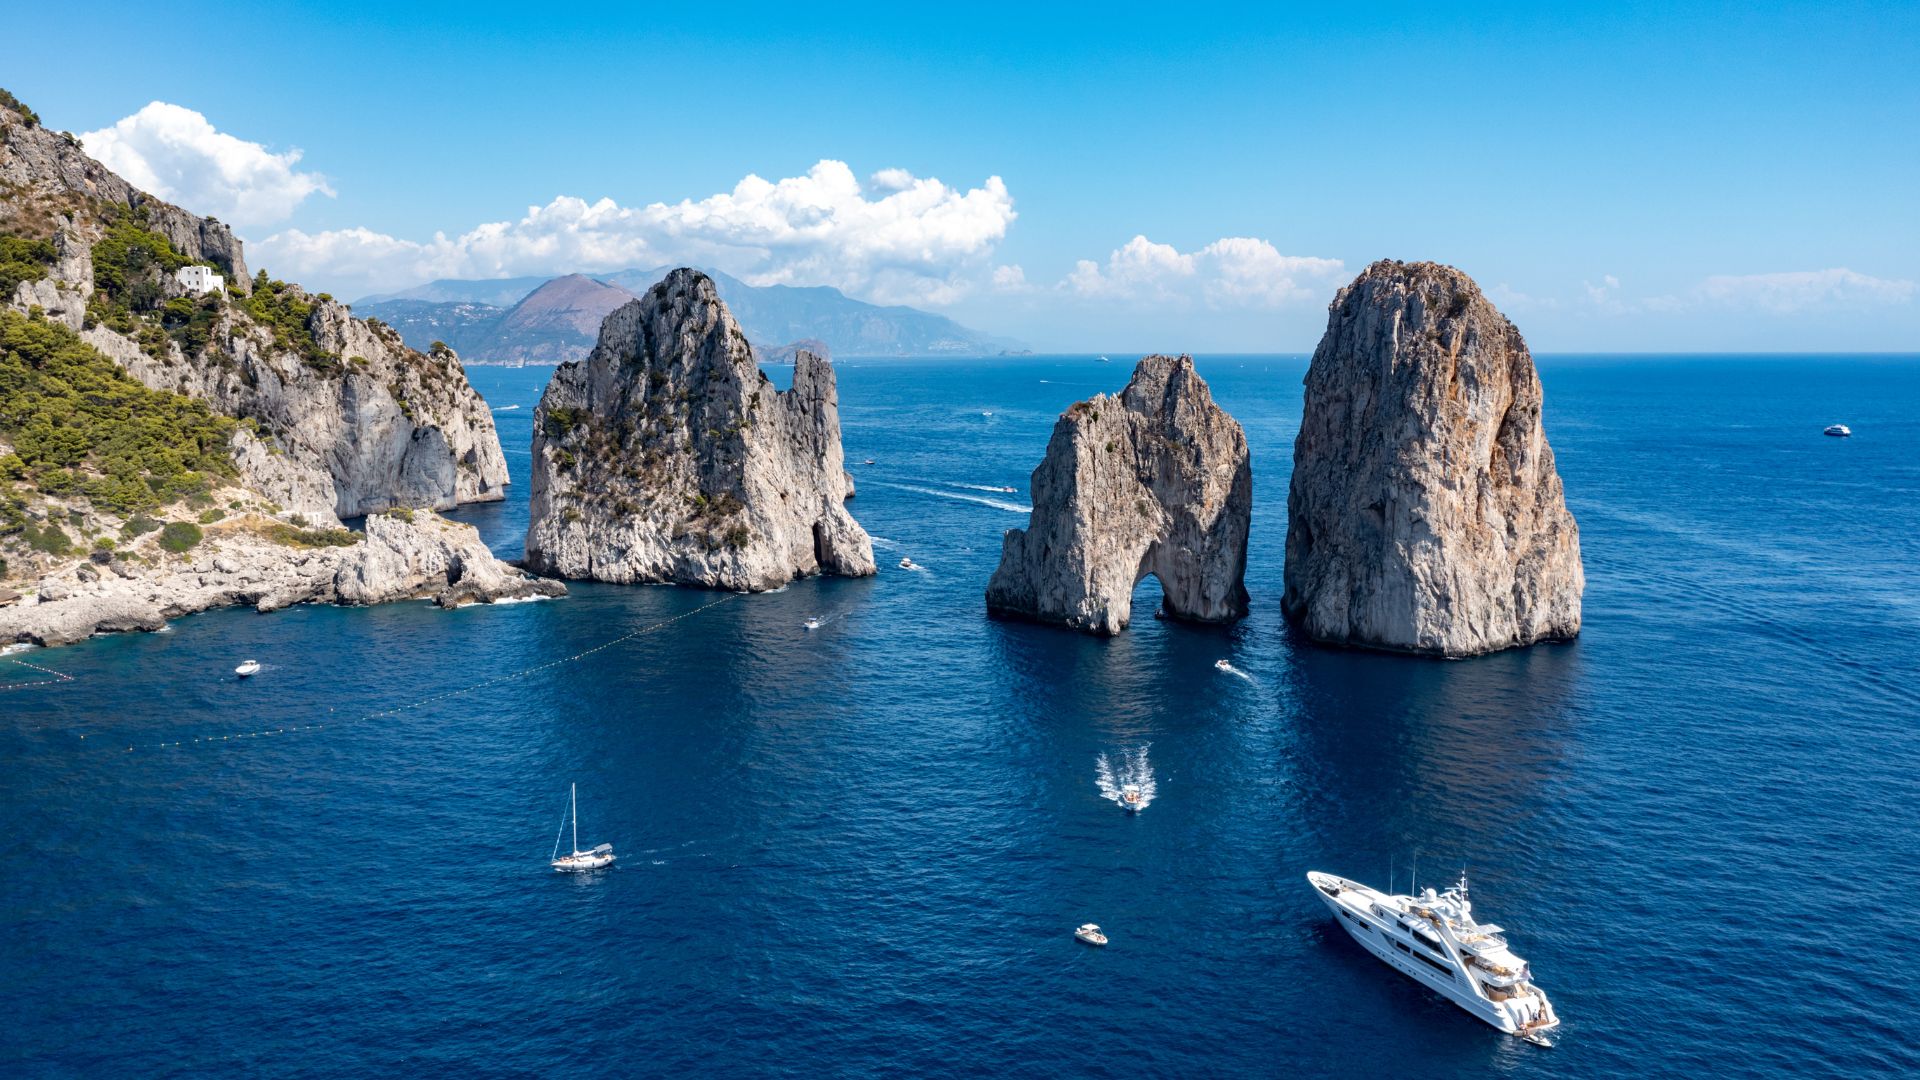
{"type": "Point", "coordinates": [1232, 272]}
{"type": "Point", "coordinates": [1805, 290]}
{"type": "Point", "coordinates": [177, 154]}
{"type": "Point", "coordinates": [1508, 298]}
{"type": "Point", "coordinates": [1011, 278]}
{"type": "Point", "coordinates": [1602, 294]}
{"type": "Point", "coordinates": [919, 241]}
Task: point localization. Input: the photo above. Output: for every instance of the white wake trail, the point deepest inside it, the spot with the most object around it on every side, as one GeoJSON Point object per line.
{"type": "Point", "coordinates": [997, 504]}
{"type": "Point", "coordinates": [1228, 669]}
{"type": "Point", "coordinates": [1132, 770]}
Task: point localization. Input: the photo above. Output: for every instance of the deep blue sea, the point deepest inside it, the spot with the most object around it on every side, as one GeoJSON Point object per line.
{"type": "Point", "coordinates": [860, 851]}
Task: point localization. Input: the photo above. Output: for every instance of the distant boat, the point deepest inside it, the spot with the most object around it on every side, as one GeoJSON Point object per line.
{"type": "Point", "coordinates": [869, 461]}
{"type": "Point", "coordinates": [1838, 431]}
{"type": "Point", "coordinates": [909, 564]}
{"type": "Point", "coordinates": [813, 623]}
{"type": "Point", "coordinates": [593, 859]}
{"type": "Point", "coordinates": [251, 667]}
{"type": "Point", "coordinates": [1131, 798]}
{"type": "Point", "coordinates": [1104, 360]}
{"type": "Point", "coordinates": [1008, 490]}
{"type": "Point", "coordinates": [1090, 934]}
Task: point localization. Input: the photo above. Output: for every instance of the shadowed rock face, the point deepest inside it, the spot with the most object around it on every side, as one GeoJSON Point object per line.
{"type": "Point", "coordinates": [1425, 514]}
{"type": "Point", "coordinates": [667, 456]}
{"type": "Point", "coordinates": [1154, 481]}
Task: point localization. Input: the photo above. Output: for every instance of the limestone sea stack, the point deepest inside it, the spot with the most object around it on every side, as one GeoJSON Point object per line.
{"type": "Point", "coordinates": [1425, 514]}
{"type": "Point", "coordinates": [1154, 481]}
{"type": "Point", "coordinates": [668, 456]}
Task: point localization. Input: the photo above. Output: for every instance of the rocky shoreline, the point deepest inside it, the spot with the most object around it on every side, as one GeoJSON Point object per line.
{"type": "Point", "coordinates": [259, 562]}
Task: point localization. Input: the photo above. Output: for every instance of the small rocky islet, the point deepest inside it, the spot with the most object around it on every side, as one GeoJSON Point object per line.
{"type": "Point", "coordinates": [1425, 513]}
{"type": "Point", "coordinates": [1155, 480]}
{"type": "Point", "coordinates": [667, 455]}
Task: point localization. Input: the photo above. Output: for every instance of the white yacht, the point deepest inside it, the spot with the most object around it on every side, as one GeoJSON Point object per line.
{"type": "Point", "coordinates": [1839, 431]}
{"type": "Point", "coordinates": [247, 669]}
{"type": "Point", "coordinates": [1433, 939]}
{"type": "Point", "coordinates": [1090, 933]}
{"type": "Point", "coordinates": [592, 859]}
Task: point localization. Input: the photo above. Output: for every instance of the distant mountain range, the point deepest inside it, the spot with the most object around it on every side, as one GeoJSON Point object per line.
{"type": "Point", "coordinates": [532, 320]}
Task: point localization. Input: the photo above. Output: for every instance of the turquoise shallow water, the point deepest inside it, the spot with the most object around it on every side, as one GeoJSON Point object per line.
{"type": "Point", "coordinates": [861, 850]}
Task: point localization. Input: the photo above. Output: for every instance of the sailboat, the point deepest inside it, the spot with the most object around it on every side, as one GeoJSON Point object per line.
{"type": "Point", "coordinates": [595, 859]}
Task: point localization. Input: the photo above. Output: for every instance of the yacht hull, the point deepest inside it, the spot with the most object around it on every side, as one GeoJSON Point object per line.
{"type": "Point", "coordinates": [1352, 906]}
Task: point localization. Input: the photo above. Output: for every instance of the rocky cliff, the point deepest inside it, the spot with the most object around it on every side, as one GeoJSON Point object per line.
{"type": "Point", "coordinates": [1154, 481]}
{"type": "Point", "coordinates": [1425, 513]}
{"type": "Point", "coordinates": [666, 455]}
{"type": "Point", "coordinates": [340, 418]}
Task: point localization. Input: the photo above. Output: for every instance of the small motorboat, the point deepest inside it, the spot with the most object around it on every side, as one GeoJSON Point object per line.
{"type": "Point", "coordinates": [1104, 360]}
{"type": "Point", "coordinates": [869, 461]}
{"type": "Point", "coordinates": [1008, 490]}
{"type": "Point", "coordinates": [1222, 665]}
{"type": "Point", "coordinates": [1090, 934]}
{"type": "Point", "coordinates": [813, 623]}
{"type": "Point", "coordinates": [1838, 431]}
{"type": "Point", "coordinates": [909, 564]}
{"type": "Point", "coordinates": [592, 859]}
{"type": "Point", "coordinates": [1131, 798]}
{"type": "Point", "coordinates": [251, 667]}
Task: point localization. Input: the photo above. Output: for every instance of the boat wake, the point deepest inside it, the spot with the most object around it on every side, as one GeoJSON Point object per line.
{"type": "Point", "coordinates": [884, 543]}
{"type": "Point", "coordinates": [1227, 668]}
{"type": "Point", "coordinates": [506, 408]}
{"type": "Point", "coordinates": [997, 504]}
{"type": "Point", "coordinates": [976, 487]}
{"type": "Point", "coordinates": [1130, 770]}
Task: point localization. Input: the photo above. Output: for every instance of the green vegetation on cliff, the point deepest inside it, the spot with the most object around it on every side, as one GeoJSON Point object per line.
{"type": "Point", "coordinates": [9, 101]}
{"type": "Point", "coordinates": [79, 425]}
{"type": "Point", "coordinates": [287, 311]}
{"type": "Point", "coordinates": [21, 260]}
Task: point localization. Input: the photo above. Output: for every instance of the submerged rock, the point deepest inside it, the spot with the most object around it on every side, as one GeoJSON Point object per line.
{"type": "Point", "coordinates": [667, 456]}
{"type": "Point", "coordinates": [1154, 481]}
{"type": "Point", "coordinates": [1425, 514]}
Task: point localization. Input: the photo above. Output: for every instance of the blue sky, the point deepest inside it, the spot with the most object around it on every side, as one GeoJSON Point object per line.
{"type": "Point", "coordinates": [1618, 177]}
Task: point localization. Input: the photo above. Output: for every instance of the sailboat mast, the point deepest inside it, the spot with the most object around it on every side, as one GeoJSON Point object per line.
{"type": "Point", "coordinates": [576, 819]}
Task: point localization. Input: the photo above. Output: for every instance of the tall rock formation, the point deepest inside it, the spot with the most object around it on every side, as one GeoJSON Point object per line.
{"type": "Point", "coordinates": [340, 418]}
{"type": "Point", "coordinates": [1425, 514]}
{"type": "Point", "coordinates": [666, 455]}
{"type": "Point", "coordinates": [1154, 481]}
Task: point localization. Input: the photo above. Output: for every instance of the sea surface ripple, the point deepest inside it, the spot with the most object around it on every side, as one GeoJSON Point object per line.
{"type": "Point", "coordinates": [860, 850]}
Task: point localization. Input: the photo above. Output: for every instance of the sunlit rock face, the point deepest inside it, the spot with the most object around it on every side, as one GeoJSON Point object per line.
{"type": "Point", "coordinates": [668, 456]}
{"type": "Point", "coordinates": [1155, 480]}
{"type": "Point", "coordinates": [1425, 514]}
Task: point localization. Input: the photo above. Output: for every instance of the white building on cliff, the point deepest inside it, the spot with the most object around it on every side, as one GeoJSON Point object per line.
{"type": "Point", "coordinates": [200, 279]}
